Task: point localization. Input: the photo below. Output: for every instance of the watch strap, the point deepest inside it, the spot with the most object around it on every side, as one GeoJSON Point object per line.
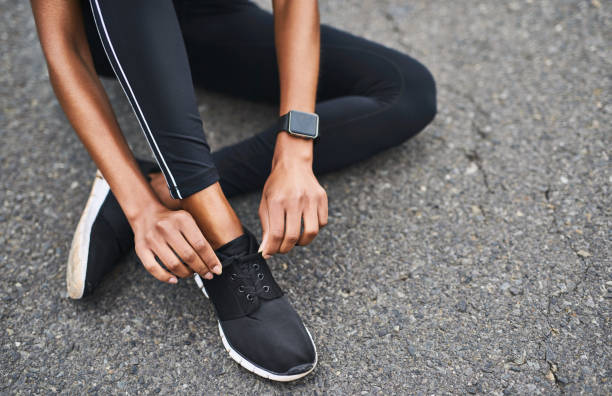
{"type": "Point", "coordinates": [283, 123]}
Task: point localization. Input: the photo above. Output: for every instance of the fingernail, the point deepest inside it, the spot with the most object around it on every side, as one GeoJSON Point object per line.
{"type": "Point", "coordinates": [217, 269]}
{"type": "Point", "coordinates": [208, 276]}
{"type": "Point", "coordinates": [173, 280]}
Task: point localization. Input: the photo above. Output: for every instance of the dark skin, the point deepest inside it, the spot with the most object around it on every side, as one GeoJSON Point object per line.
{"type": "Point", "coordinates": [293, 206]}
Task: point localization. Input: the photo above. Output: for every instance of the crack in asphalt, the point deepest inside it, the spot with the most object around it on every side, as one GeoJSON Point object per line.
{"type": "Point", "coordinates": [546, 341]}
{"type": "Point", "coordinates": [473, 154]}
{"type": "Point", "coordinates": [555, 228]}
{"type": "Point", "coordinates": [474, 157]}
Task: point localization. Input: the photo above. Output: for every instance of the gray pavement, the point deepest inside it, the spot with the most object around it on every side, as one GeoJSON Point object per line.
{"type": "Point", "coordinates": [473, 259]}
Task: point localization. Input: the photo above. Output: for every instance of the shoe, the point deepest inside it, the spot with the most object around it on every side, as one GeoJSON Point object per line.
{"type": "Point", "coordinates": [102, 237]}
{"type": "Point", "coordinates": [258, 326]}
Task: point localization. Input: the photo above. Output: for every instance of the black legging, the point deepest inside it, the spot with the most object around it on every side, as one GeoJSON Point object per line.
{"type": "Point", "coordinates": [369, 97]}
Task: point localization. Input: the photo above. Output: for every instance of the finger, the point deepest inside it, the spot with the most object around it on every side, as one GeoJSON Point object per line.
{"type": "Point", "coordinates": [322, 211]}
{"type": "Point", "coordinates": [187, 253]}
{"type": "Point", "coordinates": [293, 222]}
{"type": "Point", "coordinates": [194, 237]}
{"type": "Point", "coordinates": [311, 226]}
{"type": "Point", "coordinates": [276, 232]}
{"type": "Point", "coordinates": [170, 260]}
{"type": "Point", "coordinates": [265, 224]}
{"type": "Point", "coordinates": [148, 261]}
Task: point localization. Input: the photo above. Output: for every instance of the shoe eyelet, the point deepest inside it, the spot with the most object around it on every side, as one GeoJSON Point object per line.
{"type": "Point", "coordinates": [260, 276]}
{"type": "Point", "coordinates": [241, 289]}
{"type": "Point", "coordinates": [233, 277]}
{"type": "Point", "coordinates": [250, 297]}
{"type": "Point", "coordinates": [266, 288]}
{"type": "Point", "coordinates": [256, 266]}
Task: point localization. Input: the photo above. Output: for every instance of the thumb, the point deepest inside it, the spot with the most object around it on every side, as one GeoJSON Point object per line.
{"type": "Point", "coordinates": [263, 217]}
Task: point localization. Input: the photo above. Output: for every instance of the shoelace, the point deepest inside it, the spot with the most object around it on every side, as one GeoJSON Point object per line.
{"type": "Point", "coordinates": [247, 271]}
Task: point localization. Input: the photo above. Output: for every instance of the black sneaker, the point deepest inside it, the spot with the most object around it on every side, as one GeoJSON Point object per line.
{"type": "Point", "coordinates": [102, 237]}
{"type": "Point", "coordinates": [258, 326]}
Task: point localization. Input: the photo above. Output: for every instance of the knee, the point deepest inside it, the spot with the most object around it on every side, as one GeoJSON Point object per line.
{"type": "Point", "coordinates": [415, 105]}
{"type": "Point", "coordinates": [418, 102]}
{"type": "Point", "coordinates": [414, 108]}
{"type": "Point", "coordinates": [429, 97]}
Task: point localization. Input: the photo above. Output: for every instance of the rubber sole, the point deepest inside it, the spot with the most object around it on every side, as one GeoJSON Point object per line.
{"type": "Point", "coordinates": [79, 250]}
{"type": "Point", "coordinates": [252, 367]}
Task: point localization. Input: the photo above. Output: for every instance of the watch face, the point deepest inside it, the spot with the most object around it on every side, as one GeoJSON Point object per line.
{"type": "Point", "coordinates": [305, 124]}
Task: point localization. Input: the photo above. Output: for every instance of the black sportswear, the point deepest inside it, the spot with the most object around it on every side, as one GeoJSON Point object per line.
{"type": "Point", "coordinates": [369, 97]}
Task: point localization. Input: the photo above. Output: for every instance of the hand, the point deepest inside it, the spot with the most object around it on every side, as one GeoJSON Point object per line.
{"type": "Point", "coordinates": [291, 196]}
{"type": "Point", "coordinates": [175, 239]}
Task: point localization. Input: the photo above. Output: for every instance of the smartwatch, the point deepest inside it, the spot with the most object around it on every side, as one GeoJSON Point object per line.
{"type": "Point", "coordinates": [299, 123]}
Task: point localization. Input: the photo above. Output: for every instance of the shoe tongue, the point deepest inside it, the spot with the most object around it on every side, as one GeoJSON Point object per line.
{"type": "Point", "coordinates": [237, 257]}
{"type": "Point", "coordinates": [244, 244]}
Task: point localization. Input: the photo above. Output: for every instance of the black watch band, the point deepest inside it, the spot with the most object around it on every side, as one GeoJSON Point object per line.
{"type": "Point", "coordinates": [299, 123]}
{"type": "Point", "coordinates": [283, 123]}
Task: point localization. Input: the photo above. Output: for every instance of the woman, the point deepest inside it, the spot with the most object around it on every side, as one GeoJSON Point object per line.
{"type": "Point", "coordinates": [364, 98]}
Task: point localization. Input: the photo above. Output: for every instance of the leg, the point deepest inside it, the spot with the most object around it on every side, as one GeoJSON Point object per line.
{"type": "Point", "coordinates": [144, 46]}
{"type": "Point", "coordinates": [257, 324]}
{"type": "Point", "coordinates": [370, 97]}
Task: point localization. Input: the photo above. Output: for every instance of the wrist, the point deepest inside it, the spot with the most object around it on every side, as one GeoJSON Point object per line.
{"type": "Point", "coordinates": [292, 149]}
{"type": "Point", "coordinates": [144, 207]}
{"type": "Point", "coordinates": [307, 106]}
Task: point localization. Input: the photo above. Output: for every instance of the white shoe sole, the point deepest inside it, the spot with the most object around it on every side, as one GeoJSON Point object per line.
{"type": "Point", "coordinates": [79, 250]}
{"type": "Point", "coordinates": [252, 367]}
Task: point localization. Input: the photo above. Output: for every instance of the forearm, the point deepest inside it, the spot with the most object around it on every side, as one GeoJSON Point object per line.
{"type": "Point", "coordinates": [86, 105]}
{"type": "Point", "coordinates": [296, 24]}
{"type": "Point", "coordinates": [78, 89]}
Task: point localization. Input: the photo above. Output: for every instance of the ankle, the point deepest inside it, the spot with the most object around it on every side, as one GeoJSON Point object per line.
{"type": "Point", "coordinates": [214, 215]}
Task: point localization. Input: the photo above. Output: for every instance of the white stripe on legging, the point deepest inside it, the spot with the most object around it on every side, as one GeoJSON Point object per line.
{"type": "Point", "coordinates": [143, 124]}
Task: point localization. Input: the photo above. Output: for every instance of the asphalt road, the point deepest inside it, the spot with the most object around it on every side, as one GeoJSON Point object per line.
{"type": "Point", "coordinates": [474, 258]}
